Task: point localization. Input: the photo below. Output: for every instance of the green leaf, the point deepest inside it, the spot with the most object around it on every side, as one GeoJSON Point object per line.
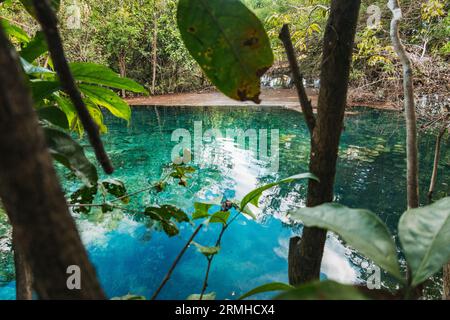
{"type": "Point", "coordinates": [229, 43]}
{"type": "Point", "coordinates": [207, 251]}
{"type": "Point", "coordinates": [360, 228]}
{"type": "Point", "coordinates": [108, 99]}
{"type": "Point", "coordinates": [220, 217]}
{"type": "Point", "coordinates": [323, 290]}
{"type": "Point", "coordinates": [275, 286]}
{"type": "Point", "coordinates": [116, 188]}
{"type": "Point", "coordinates": [253, 196]}
{"type": "Point", "coordinates": [84, 195]}
{"type": "Point", "coordinates": [69, 153]}
{"type": "Point", "coordinates": [43, 90]}
{"type": "Point", "coordinates": [14, 31]}
{"type": "Point", "coordinates": [35, 48]}
{"type": "Point", "coordinates": [129, 297]}
{"type": "Point", "coordinates": [67, 107]}
{"type": "Point", "coordinates": [164, 216]}
{"type": "Point", "coordinates": [31, 69]}
{"type": "Point", "coordinates": [201, 210]}
{"type": "Point", "coordinates": [55, 116]}
{"type": "Point", "coordinates": [206, 296]}
{"type": "Point", "coordinates": [425, 237]}
{"type": "Point", "coordinates": [101, 75]}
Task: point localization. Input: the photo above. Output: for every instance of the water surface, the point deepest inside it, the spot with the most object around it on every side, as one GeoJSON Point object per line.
{"type": "Point", "coordinates": [132, 257]}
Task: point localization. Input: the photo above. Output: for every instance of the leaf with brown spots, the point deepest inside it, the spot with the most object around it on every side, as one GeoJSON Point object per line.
{"type": "Point", "coordinates": [229, 43]}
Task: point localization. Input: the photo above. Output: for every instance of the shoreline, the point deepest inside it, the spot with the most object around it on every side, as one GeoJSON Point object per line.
{"type": "Point", "coordinates": [286, 98]}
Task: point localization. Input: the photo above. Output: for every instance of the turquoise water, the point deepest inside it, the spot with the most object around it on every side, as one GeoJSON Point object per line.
{"type": "Point", "coordinates": [132, 257]}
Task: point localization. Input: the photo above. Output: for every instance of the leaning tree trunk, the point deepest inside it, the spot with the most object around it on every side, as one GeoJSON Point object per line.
{"type": "Point", "coordinates": [31, 194]}
{"type": "Point", "coordinates": [335, 71]}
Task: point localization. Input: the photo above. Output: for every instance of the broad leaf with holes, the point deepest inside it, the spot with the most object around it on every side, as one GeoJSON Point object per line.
{"type": "Point", "coordinates": [116, 188]}
{"type": "Point", "coordinates": [360, 228]}
{"type": "Point", "coordinates": [229, 43]}
{"type": "Point", "coordinates": [425, 237]}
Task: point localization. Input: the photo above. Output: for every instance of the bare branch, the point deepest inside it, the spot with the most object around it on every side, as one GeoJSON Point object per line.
{"type": "Point", "coordinates": [305, 103]}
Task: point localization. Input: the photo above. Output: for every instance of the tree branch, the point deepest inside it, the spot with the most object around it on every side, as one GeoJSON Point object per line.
{"type": "Point", "coordinates": [175, 263]}
{"type": "Point", "coordinates": [48, 22]}
{"type": "Point", "coordinates": [305, 103]}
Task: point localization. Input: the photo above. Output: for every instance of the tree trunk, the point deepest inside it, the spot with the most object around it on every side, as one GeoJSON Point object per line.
{"type": "Point", "coordinates": [446, 282]}
{"type": "Point", "coordinates": [123, 69]}
{"type": "Point", "coordinates": [335, 71]}
{"type": "Point", "coordinates": [437, 156]}
{"type": "Point", "coordinates": [24, 277]}
{"type": "Point", "coordinates": [31, 194]}
{"type": "Point", "coordinates": [410, 111]}
{"type": "Point", "coordinates": [154, 47]}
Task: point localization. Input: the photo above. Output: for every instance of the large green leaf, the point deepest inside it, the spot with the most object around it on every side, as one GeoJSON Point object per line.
{"type": "Point", "coordinates": [229, 43]}
{"type": "Point", "coordinates": [253, 196]}
{"type": "Point", "coordinates": [43, 90]}
{"type": "Point", "coordinates": [55, 116]}
{"type": "Point", "coordinates": [360, 228]}
{"type": "Point", "coordinates": [98, 74]}
{"type": "Point", "coordinates": [69, 153]}
{"type": "Point", "coordinates": [323, 290]}
{"type": "Point", "coordinates": [425, 236]}
{"type": "Point", "coordinates": [67, 107]}
{"type": "Point", "coordinates": [14, 31]}
{"type": "Point", "coordinates": [35, 48]}
{"type": "Point", "coordinates": [108, 99]}
{"type": "Point", "coordinates": [269, 287]}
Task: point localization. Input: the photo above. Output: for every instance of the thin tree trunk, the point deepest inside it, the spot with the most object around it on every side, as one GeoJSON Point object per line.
{"type": "Point", "coordinates": [24, 277]}
{"type": "Point", "coordinates": [335, 71]}
{"type": "Point", "coordinates": [122, 69]}
{"type": "Point", "coordinates": [31, 194]}
{"type": "Point", "coordinates": [446, 279]}
{"type": "Point", "coordinates": [437, 155]}
{"type": "Point", "coordinates": [154, 47]}
{"type": "Point", "coordinates": [410, 111]}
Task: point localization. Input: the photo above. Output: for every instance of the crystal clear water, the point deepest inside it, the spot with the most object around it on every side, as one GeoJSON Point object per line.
{"type": "Point", "coordinates": [132, 257]}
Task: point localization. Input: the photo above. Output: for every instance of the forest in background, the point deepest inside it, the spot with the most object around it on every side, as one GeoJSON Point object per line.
{"type": "Point", "coordinates": [139, 39]}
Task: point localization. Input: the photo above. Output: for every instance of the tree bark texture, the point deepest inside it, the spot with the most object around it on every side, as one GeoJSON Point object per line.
{"type": "Point", "coordinates": [335, 71]}
{"type": "Point", "coordinates": [412, 157]}
{"type": "Point", "coordinates": [24, 277]}
{"type": "Point", "coordinates": [31, 194]}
